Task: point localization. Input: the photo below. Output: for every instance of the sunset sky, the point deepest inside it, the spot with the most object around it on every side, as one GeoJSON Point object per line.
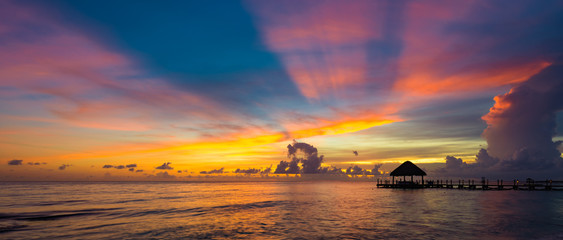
{"type": "Point", "coordinates": [179, 87]}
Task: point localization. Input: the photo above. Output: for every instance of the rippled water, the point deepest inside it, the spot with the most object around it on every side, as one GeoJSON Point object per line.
{"type": "Point", "coordinates": [265, 210]}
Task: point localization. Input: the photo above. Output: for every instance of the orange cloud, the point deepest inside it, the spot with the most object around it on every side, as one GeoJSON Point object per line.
{"type": "Point", "coordinates": [437, 58]}
{"type": "Point", "coordinates": [426, 82]}
{"type": "Point", "coordinates": [495, 112]}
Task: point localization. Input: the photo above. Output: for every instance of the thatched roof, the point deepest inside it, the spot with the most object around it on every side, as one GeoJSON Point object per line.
{"type": "Point", "coordinates": [408, 169]}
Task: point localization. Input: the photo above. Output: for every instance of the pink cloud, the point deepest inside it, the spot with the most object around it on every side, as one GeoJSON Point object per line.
{"type": "Point", "coordinates": [87, 84]}
{"type": "Point", "coordinates": [321, 43]}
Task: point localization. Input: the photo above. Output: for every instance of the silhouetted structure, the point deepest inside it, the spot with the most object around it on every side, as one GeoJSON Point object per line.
{"type": "Point", "coordinates": [408, 169]}
{"type": "Point", "coordinates": [484, 184]}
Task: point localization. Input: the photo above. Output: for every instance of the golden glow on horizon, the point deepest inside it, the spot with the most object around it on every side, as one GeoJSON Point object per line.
{"type": "Point", "coordinates": [339, 128]}
{"type": "Point", "coordinates": [239, 141]}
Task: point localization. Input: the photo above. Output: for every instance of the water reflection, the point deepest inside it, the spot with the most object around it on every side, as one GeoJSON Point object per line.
{"type": "Point", "coordinates": [308, 210]}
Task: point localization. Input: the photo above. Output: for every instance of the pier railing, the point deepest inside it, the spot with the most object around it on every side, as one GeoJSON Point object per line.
{"type": "Point", "coordinates": [484, 184]}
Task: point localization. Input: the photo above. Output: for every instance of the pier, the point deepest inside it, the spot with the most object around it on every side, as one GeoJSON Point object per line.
{"type": "Point", "coordinates": [409, 169]}
{"type": "Point", "coordinates": [484, 184]}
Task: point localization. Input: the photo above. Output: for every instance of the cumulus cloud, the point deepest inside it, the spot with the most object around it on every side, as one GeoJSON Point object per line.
{"type": "Point", "coordinates": [282, 166]}
{"type": "Point", "coordinates": [453, 163]}
{"type": "Point", "coordinates": [331, 170]}
{"type": "Point", "coordinates": [267, 170]}
{"type": "Point", "coordinates": [357, 170]}
{"type": "Point", "coordinates": [165, 166]}
{"type": "Point", "coordinates": [64, 166]}
{"type": "Point", "coordinates": [15, 162]}
{"type": "Point", "coordinates": [520, 128]}
{"type": "Point", "coordinates": [375, 170]}
{"type": "Point", "coordinates": [302, 153]}
{"type": "Point", "coordinates": [484, 160]}
{"type": "Point", "coordinates": [522, 124]}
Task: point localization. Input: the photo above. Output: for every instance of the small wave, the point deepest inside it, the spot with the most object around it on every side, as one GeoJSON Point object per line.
{"type": "Point", "coordinates": [132, 200]}
{"type": "Point", "coordinates": [60, 202]}
{"type": "Point", "coordinates": [54, 215]}
{"type": "Point", "coordinates": [209, 210]}
{"type": "Point", "coordinates": [168, 198]}
{"type": "Point", "coordinates": [100, 226]}
{"type": "Point", "coordinates": [264, 204]}
{"type": "Point", "coordinates": [11, 226]}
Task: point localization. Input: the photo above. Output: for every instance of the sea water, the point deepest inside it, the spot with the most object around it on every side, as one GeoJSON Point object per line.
{"type": "Point", "coordinates": [272, 210]}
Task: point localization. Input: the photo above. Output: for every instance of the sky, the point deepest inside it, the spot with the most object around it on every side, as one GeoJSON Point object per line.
{"type": "Point", "coordinates": [94, 90]}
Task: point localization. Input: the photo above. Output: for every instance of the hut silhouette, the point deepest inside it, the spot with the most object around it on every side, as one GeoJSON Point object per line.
{"type": "Point", "coordinates": [408, 169]}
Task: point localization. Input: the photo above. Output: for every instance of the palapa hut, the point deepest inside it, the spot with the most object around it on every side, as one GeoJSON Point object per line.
{"type": "Point", "coordinates": [408, 169]}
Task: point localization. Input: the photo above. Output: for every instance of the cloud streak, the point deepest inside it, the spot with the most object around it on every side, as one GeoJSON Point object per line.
{"type": "Point", "coordinates": [15, 162]}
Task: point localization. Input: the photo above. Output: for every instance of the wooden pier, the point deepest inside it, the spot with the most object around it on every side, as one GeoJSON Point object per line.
{"type": "Point", "coordinates": [484, 184]}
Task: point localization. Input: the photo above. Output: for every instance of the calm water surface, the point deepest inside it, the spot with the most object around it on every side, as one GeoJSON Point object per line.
{"type": "Point", "coordinates": [265, 210]}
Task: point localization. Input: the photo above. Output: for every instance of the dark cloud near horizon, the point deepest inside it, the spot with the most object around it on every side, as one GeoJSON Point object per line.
{"type": "Point", "coordinates": [130, 167]}
{"type": "Point", "coordinates": [64, 166]}
{"type": "Point", "coordinates": [165, 166]}
{"type": "Point", "coordinates": [33, 163]}
{"type": "Point", "coordinates": [254, 170]}
{"type": "Point", "coordinates": [355, 153]}
{"type": "Point", "coordinates": [214, 171]}
{"type": "Point", "coordinates": [248, 171]}
{"type": "Point", "coordinates": [357, 170]}
{"type": "Point", "coordinates": [453, 163]}
{"type": "Point", "coordinates": [15, 162]}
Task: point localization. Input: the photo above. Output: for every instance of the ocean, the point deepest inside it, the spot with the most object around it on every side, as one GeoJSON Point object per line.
{"type": "Point", "coordinates": [272, 210]}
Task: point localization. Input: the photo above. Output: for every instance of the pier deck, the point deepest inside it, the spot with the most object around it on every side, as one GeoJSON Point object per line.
{"type": "Point", "coordinates": [529, 185]}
